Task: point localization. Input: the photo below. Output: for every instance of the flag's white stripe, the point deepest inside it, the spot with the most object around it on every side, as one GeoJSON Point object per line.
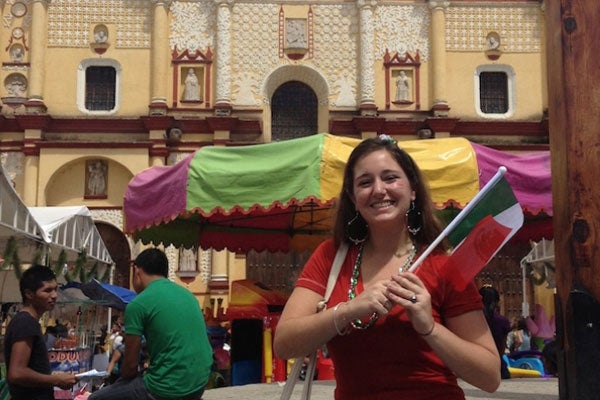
{"type": "Point", "coordinates": [511, 218]}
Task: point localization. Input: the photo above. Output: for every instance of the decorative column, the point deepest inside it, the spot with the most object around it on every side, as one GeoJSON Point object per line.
{"type": "Point", "coordinates": [219, 277]}
{"type": "Point", "coordinates": [37, 54]}
{"type": "Point", "coordinates": [33, 126]}
{"type": "Point", "coordinates": [438, 57]}
{"type": "Point", "coordinates": [223, 58]}
{"type": "Point", "coordinates": [367, 57]}
{"type": "Point", "coordinates": [30, 172]}
{"type": "Point", "coordinates": [160, 57]}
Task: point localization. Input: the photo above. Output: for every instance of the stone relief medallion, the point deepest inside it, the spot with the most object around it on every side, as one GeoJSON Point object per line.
{"type": "Point", "coordinates": [18, 9]}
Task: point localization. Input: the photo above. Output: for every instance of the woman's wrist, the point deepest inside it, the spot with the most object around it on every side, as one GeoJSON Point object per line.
{"type": "Point", "coordinates": [339, 321]}
{"type": "Point", "coordinates": [429, 332]}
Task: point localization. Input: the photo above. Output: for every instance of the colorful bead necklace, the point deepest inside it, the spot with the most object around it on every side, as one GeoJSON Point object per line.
{"type": "Point", "coordinates": [357, 323]}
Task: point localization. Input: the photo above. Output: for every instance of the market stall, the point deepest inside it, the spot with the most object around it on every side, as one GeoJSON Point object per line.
{"type": "Point", "coordinates": [280, 196]}
{"type": "Point", "coordinates": [66, 239]}
{"type": "Point", "coordinates": [75, 324]}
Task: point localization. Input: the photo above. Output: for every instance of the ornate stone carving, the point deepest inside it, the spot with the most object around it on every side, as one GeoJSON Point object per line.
{"type": "Point", "coordinates": [113, 217]}
{"type": "Point", "coordinates": [519, 27]}
{"type": "Point", "coordinates": [367, 56]}
{"type": "Point", "coordinates": [15, 85]}
{"type": "Point", "coordinates": [402, 28]}
{"type": "Point", "coordinates": [12, 163]}
{"type": "Point", "coordinates": [69, 22]}
{"type": "Point", "coordinates": [192, 25]}
{"type": "Point", "coordinates": [205, 265]}
{"type": "Point", "coordinates": [223, 56]}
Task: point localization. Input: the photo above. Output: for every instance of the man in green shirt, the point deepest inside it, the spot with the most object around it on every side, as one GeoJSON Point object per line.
{"type": "Point", "coordinates": [170, 318]}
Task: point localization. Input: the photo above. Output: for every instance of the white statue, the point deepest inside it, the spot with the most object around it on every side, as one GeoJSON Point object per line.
{"type": "Point", "coordinates": [97, 178]}
{"type": "Point", "coordinates": [101, 35]}
{"type": "Point", "coordinates": [191, 92]}
{"type": "Point", "coordinates": [17, 53]}
{"type": "Point", "coordinates": [402, 87]}
{"type": "Point", "coordinates": [295, 34]}
{"type": "Point", "coordinates": [493, 42]}
{"type": "Point", "coordinates": [16, 86]}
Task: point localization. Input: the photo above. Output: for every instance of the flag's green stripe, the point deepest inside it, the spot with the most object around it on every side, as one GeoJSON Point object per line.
{"type": "Point", "coordinates": [499, 198]}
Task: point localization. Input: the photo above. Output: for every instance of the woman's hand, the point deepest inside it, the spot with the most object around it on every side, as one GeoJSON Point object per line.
{"type": "Point", "coordinates": [372, 300]}
{"type": "Point", "coordinates": [409, 291]}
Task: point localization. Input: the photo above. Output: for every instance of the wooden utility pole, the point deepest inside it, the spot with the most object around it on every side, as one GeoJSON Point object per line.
{"type": "Point", "coordinates": [573, 43]}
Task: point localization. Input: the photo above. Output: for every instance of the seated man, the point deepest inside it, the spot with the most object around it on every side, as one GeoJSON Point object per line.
{"type": "Point", "coordinates": [169, 317]}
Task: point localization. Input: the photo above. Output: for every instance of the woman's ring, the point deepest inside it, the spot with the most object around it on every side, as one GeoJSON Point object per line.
{"type": "Point", "coordinates": [413, 299]}
{"type": "Point", "coordinates": [387, 304]}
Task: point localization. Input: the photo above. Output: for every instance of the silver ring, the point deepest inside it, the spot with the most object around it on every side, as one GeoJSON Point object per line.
{"type": "Point", "coordinates": [413, 299]}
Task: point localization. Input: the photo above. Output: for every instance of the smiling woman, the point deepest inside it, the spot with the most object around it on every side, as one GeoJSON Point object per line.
{"type": "Point", "coordinates": [389, 333]}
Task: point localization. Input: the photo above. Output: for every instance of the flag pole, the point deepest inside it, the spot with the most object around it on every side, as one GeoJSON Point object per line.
{"type": "Point", "coordinates": [458, 219]}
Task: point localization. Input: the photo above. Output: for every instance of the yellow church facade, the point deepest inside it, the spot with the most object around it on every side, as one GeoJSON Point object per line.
{"type": "Point", "coordinates": [95, 91]}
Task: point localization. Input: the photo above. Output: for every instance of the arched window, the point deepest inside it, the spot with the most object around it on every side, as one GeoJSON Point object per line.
{"type": "Point", "coordinates": [294, 111]}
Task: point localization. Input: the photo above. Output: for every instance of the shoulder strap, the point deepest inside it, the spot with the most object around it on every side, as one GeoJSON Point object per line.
{"type": "Point", "coordinates": [340, 256]}
{"type": "Point", "coordinates": [336, 266]}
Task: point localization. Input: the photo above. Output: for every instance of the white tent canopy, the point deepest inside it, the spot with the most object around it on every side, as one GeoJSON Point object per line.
{"type": "Point", "coordinates": [72, 229]}
{"type": "Point", "coordinates": [45, 232]}
{"type": "Point", "coordinates": [17, 222]}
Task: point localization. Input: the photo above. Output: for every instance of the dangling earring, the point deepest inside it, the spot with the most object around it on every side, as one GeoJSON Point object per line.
{"type": "Point", "coordinates": [413, 219]}
{"type": "Point", "coordinates": [357, 229]}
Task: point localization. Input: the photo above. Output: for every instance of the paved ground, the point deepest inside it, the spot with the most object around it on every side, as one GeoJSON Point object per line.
{"type": "Point", "coordinates": [510, 389]}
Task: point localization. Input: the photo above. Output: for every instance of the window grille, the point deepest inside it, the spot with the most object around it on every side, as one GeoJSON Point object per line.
{"type": "Point", "coordinates": [493, 92]}
{"type": "Point", "coordinates": [100, 88]}
{"type": "Point", "coordinates": [294, 111]}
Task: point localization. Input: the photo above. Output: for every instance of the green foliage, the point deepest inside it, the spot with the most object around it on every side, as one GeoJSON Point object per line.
{"type": "Point", "coordinates": [60, 265]}
{"type": "Point", "coordinates": [79, 269]}
{"type": "Point", "coordinates": [11, 257]}
{"type": "Point", "coordinates": [106, 276]}
{"type": "Point", "coordinates": [93, 272]}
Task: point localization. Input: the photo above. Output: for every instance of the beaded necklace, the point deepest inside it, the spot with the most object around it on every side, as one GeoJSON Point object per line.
{"type": "Point", "coordinates": [357, 323]}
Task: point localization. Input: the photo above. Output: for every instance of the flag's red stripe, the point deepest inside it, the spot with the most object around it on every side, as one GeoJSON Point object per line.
{"type": "Point", "coordinates": [471, 256]}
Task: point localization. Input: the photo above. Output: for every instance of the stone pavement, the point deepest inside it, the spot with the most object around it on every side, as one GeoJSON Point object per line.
{"type": "Point", "coordinates": [510, 389]}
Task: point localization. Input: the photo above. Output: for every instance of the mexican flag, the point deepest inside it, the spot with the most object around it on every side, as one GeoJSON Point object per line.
{"type": "Point", "coordinates": [480, 230]}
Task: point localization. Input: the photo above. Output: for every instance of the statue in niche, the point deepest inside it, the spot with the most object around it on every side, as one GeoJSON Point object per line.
{"type": "Point", "coordinates": [402, 84]}
{"type": "Point", "coordinates": [16, 85]}
{"type": "Point", "coordinates": [295, 33]}
{"type": "Point", "coordinates": [493, 41]}
{"type": "Point", "coordinates": [191, 91]}
{"type": "Point", "coordinates": [96, 178]}
{"type": "Point", "coordinates": [187, 260]}
{"type": "Point", "coordinates": [101, 35]}
{"type": "Point", "coordinates": [17, 53]}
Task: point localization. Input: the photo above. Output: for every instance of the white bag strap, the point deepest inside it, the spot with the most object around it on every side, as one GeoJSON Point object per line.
{"type": "Point", "coordinates": [335, 269]}
{"type": "Point", "coordinates": [336, 266]}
